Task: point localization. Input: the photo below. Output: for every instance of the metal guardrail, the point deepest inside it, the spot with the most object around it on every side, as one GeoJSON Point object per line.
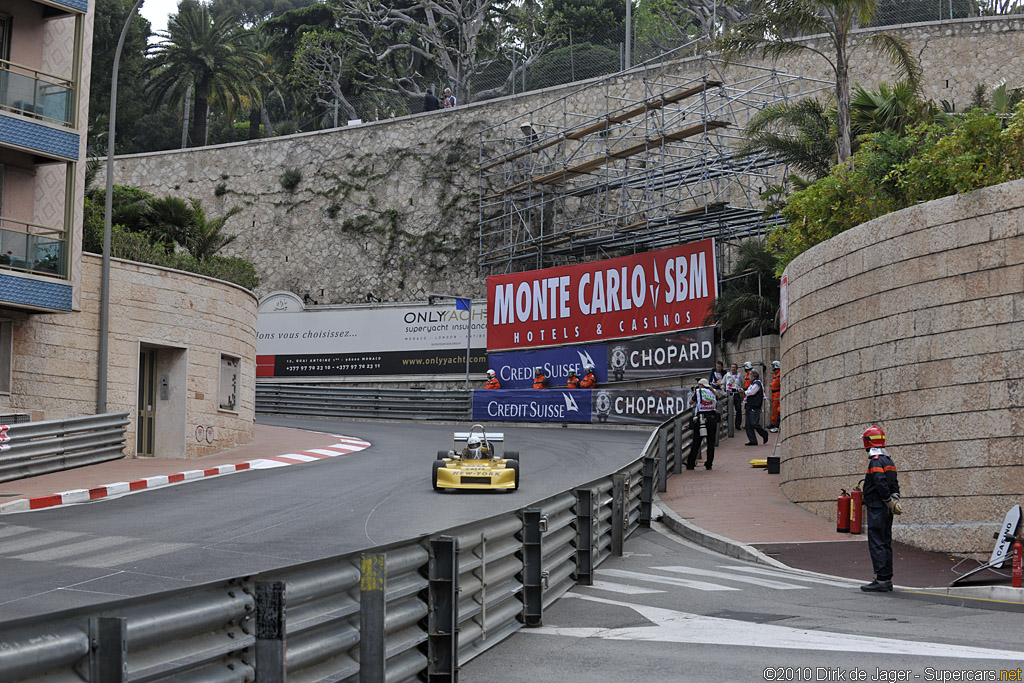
{"type": "Point", "coordinates": [334, 401]}
{"type": "Point", "coordinates": [33, 448]}
{"type": "Point", "coordinates": [410, 611]}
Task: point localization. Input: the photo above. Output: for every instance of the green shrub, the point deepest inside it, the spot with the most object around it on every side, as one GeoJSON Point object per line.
{"type": "Point", "coordinates": [290, 179]}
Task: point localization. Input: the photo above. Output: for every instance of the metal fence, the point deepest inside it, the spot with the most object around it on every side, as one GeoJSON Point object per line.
{"type": "Point", "coordinates": [31, 448]}
{"type": "Point", "coordinates": [340, 401]}
{"type": "Point", "coordinates": [414, 610]}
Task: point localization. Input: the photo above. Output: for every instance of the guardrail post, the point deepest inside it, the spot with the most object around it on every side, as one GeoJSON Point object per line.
{"type": "Point", "coordinates": [533, 568]}
{"type": "Point", "coordinates": [443, 611]}
{"type": "Point", "coordinates": [618, 513]}
{"type": "Point", "coordinates": [584, 537]}
{"type": "Point", "coordinates": [373, 567]}
{"type": "Point", "coordinates": [662, 462]}
{"type": "Point", "coordinates": [647, 491]}
{"type": "Point", "coordinates": [108, 649]}
{"type": "Point", "coordinates": [270, 632]}
{"type": "Point", "coordinates": [677, 444]}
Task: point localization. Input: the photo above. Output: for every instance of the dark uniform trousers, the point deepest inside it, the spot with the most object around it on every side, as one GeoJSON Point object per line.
{"type": "Point", "coordinates": [711, 427]}
{"type": "Point", "coordinates": [879, 521]}
{"type": "Point", "coordinates": [737, 408]}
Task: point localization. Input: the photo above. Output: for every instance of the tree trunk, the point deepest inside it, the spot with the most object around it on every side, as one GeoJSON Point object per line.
{"type": "Point", "coordinates": [200, 129]}
{"type": "Point", "coordinates": [268, 129]}
{"type": "Point", "coordinates": [254, 123]}
{"type": "Point", "coordinates": [843, 104]}
{"type": "Point", "coordinates": [184, 119]}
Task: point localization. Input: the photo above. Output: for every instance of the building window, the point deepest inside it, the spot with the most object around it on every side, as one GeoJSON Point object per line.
{"type": "Point", "coordinates": [5, 37]}
{"type": "Point", "coordinates": [6, 355]}
{"type": "Point", "coordinates": [227, 396]}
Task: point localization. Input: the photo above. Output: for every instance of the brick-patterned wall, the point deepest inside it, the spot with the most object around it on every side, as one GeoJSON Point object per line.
{"type": "Point", "coordinates": [913, 321]}
{"type": "Point", "coordinates": [56, 355]}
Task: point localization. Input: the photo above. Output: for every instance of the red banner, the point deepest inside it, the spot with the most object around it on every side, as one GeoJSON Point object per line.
{"type": "Point", "coordinates": [630, 296]}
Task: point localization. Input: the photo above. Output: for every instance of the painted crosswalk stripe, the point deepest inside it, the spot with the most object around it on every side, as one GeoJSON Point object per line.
{"type": "Point", "coordinates": [70, 550]}
{"type": "Point", "coordinates": [621, 588]}
{"type": "Point", "coordinates": [764, 583]}
{"type": "Point", "coordinates": [141, 551]}
{"type": "Point", "coordinates": [667, 580]}
{"type": "Point", "coordinates": [785, 575]}
{"type": "Point", "coordinates": [34, 541]}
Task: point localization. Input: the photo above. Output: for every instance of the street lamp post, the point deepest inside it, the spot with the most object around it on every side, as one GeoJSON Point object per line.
{"type": "Point", "coordinates": [101, 374]}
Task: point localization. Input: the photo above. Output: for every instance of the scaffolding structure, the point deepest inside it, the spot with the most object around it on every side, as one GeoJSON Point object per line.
{"type": "Point", "coordinates": [561, 184]}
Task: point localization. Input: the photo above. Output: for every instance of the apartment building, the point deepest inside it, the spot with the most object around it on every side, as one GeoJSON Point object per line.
{"type": "Point", "coordinates": [181, 358]}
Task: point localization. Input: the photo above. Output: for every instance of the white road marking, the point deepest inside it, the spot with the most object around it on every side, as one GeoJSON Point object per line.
{"type": "Point", "coordinates": [765, 583]}
{"type": "Point", "coordinates": [671, 626]}
{"type": "Point", "coordinates": [72, 549]}
{"type": "Point", "coordinates": [786, 575]}
{"type": "Point", "coordinates": [667, 580]}
{"type": "Point", "coordinates": [36, 540]}
{"type": "Point", "coordinates": [621, 588]}
{"type": "Point", "coordinates": [139, 552]}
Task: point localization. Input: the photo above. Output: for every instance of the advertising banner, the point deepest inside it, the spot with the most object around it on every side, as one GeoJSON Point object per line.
{"type": "Point", "coordinates": [366, 340]}
{"type": "Point", "coordinates": [515, 369]}
{"type": "Point", "coordinates": [637, 406]}
{"type": "Point", "coordinates": [532, 405]}
{"type": "Point", "coordinates": [678, 353]}
{"type": "Point", "coordinates": [654, 292]}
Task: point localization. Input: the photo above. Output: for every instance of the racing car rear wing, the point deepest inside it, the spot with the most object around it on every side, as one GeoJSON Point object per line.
{"type": "Point", "coordinates": [490, 436]}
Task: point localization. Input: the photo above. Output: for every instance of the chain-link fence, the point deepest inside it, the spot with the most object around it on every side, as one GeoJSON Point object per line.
{"type": "Point", "coordinates": [674, 33]}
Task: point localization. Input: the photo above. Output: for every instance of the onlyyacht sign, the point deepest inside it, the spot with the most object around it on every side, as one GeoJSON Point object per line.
{"type": "Point", "coordinates": [650, 293]}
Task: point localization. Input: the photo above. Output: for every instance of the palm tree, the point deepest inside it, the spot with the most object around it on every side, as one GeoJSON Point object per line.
{"type": "Point", "coordinates": [169, 221]}
{"type": "Point", "coordinates": [748, 304]}
{"type": "Point", "coordinates": [213, 56]}
{"type": "Point", "coordinates": [207, 235]}
{"type": "Point", "coordinates": [798, 133]}
{"type": "Point", "coordinates": [774, 29]}
{"type": "Point", "coordinates": [891, 107]}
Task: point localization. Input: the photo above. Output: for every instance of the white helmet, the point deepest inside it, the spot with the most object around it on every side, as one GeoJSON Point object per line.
{"type": "Point", "coordinates": [490, 373]}
{"type": "Point", "coordinates": [473, 446]}
{"type": "Point", "coordinates": [538, 370]}
{"type": "Point", "coordinates": [775, 364]}
{"type": "Point", "coordinates": [588, 368]}
{"type": "Point", "coordinates": [748, 365]}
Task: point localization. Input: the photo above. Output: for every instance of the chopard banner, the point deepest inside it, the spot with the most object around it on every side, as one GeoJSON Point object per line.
{"type": "Point", "coordinates": [637, 406]}
{"type": "Point", "coordinates": [657, 291]}
{"type": "Point", "coordinates": [515, 370]}
{"type": "Point", "coordinates": [678, 353]}
{"type": "Point", "coordinates": [532, 405]}
{"type": "Point", "coordinates": [366, 340]}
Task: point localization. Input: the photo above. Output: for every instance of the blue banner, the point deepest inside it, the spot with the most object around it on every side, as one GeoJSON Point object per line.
{"type": "Point", "coordinates": [638, 406]}
{"type": "Point", "coordinates": [532, 405]}
{"type": "Point", "coordinates": [515, 369]}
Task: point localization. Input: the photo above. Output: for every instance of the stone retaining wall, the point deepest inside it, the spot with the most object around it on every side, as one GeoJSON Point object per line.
{"type": "Point", "coordinates": [913, 321]}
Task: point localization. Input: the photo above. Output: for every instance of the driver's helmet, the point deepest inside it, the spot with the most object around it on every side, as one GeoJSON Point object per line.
{"type": "Point", "coordinates": [474, 447]}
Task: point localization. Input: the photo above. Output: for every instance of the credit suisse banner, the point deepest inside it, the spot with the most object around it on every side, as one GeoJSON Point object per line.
{"type": "Point", "coordinates": [515, 369]}
{"type": "Point", "coordinates": [629, 406]}
{"type": "Point", "coordinates": [657, 291]}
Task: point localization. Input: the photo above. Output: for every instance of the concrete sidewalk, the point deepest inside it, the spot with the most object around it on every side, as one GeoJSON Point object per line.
{"type": "Point", "coordinates": [734, 509]}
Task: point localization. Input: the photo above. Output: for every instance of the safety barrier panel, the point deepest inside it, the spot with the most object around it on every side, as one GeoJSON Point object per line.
{"type": "Point", "coordinates": [409, 611]}
{"type": "Point", "coordinates": [340, 401]}
{"type": "Point", "coordinates": [28, 449]}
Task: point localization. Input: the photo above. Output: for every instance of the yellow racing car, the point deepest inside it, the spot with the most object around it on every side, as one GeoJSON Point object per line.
{"type": "Point", "coordinates": [477, 460]}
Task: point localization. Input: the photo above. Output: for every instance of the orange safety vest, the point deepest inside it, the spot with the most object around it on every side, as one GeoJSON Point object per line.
{"type": "Point", "coordinates": [492, 383]}
{"type": "Point", "coordinates": [746, 381]}
{"type": "Point", "coordinates": [573, 383]}
{"type": "Point", "coordinates": [589, 381]}
{"type": "Point", "coordinates": [776, 383]}
{"type": "Point", "coordinates": [540, 382]}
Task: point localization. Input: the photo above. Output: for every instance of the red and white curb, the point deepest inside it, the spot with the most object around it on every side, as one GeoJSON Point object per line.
{"type": "Point", "coordinates": [345, 446]}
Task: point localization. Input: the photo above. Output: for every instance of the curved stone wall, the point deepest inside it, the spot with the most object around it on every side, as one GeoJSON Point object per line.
{"type": "Point", "coordinates": [187, 320]}
{"type": "Point", "coordinates": [913, 321]}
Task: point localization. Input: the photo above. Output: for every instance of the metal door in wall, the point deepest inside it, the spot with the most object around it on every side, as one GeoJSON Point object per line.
{"type": "Point", "coordinates": [147, 402]}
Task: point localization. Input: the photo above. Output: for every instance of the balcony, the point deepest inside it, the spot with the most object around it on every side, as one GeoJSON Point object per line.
{"type": "Point", "coordinates": [36, 94]}
{"type": "Point", "coordinates": [31, 248]}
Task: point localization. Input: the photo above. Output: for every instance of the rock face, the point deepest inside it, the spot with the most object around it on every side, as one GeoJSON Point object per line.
{"type": "Point", "coordinates": [389, 210]}
{"type": "Point", "coordinates": [912, 321]}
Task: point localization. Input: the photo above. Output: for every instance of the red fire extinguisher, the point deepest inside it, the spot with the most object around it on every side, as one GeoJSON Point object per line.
{"type": "Point", "coordinates": [856, 509]}
{"type": "Point", "coordinates": [843, 513]}
{"type": "Point", "coordinates": [1018, 551]}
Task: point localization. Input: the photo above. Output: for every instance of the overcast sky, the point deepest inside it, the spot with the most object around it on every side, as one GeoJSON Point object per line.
{"type": "Point", "coordinates": [157, 10]}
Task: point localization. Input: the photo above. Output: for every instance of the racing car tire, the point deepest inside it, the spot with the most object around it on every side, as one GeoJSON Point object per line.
{"type": "Point", "coordinates": [514, 466]}
{"type": "Point", "coordinates": [438, 464]}
{"type": "Point", "coordinates": [441, 455]}
{"type": "Point", "coordinates": [512, 455]}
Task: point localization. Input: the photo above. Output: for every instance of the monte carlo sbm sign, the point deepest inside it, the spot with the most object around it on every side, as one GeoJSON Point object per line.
{"type": "Point", "coordinates": [630, 296]}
